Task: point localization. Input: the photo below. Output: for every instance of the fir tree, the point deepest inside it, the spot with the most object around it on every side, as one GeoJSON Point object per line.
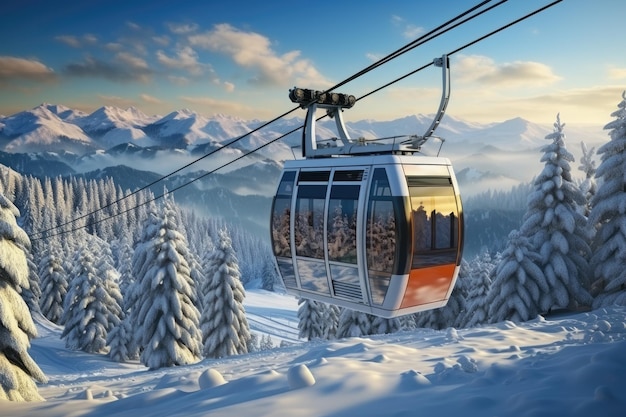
{"type": "Point", "coordinates": [311, 316]}
{"type": "Point", "coordinates": [608, 215]}
{"type": "Point", "coordinates": [381, 325]}
{"type": "Point", "coordinates": [479, 285]}
{"type": "Point", "coordinates": [224, 325]}
{"type": "Point", "coordinates": [519, 290]}
{"type": "Point", "coordinates": [331, 321]}
{"type": "Point", "coordinates": [354, 324]}
{"type": "Point", "coordinates": [588, 187]}
{"type": "Point", "coordinates": [118, 341]}
{"type": "Point", "coordinates": [32, 294]}
{"type": "Point", "coordinates": [53, 282]}
{"type": "Point", "coordinates": [91, 307]}
{"type": "Point", "coordinates": [17, 368]}
{"type": "Point", "coordinates": [166, 318]}
{"type": "Point", "coordinates": [556, 228]}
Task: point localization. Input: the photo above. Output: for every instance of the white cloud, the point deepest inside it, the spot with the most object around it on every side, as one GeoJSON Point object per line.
{"type": "Point", "coordinates": [186, 59]}
{"type": "Point", "coordinates": [150, 99]}
{"type": "Point", "coordinates": [230, 87]}
{"type": "Point", "coordinates": [161, 40]}
{"type": "Point", "coordinates": [182, 28]}
{"type": "Point", "coordinates": [484, 70]}
{"type": "Point", "coordinates": [409, 30]}
{"type": "Point", "coordinates": [117, 101]}
{"type": "Point", "coordinates": [213, 106]}
{"type": "Point", "coordinates": [254, 51]}
{"type": "Point", "coordinates": [581, 105]}
{"type": "Point", "coordinates": [412, 31]}
{"type": "Point", "coordinates": [132, 61]}
{"type": "Point", "coordinates": [617, 73]}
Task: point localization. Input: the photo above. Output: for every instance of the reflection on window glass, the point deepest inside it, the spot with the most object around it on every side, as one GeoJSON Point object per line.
{"type": "Point", "coordinates": [313, 276]}
{"type": "Point", "coordinates": [381, 225]}
{"type": "Point", "coordinates": [309, 221]}
{"type": "Point", "coordinates": [281, 235]}
{"type": "Point", "coordinates": [435, 225]}
{"type": "Point", "coordinates": [342, 217]}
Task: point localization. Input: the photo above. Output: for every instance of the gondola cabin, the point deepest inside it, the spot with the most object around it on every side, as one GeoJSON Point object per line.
{"type": "Point", "coordinates": [376, 228]}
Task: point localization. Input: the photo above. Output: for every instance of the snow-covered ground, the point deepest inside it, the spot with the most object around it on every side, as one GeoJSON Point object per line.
{"type": "Point", "coordinates": [570, 364]}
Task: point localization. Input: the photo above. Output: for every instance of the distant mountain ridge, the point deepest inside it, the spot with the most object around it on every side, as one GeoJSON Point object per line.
{"type": "Point", "coordinates": [51, 127]}
{"type": "Point", "coordinates": [40, 140]}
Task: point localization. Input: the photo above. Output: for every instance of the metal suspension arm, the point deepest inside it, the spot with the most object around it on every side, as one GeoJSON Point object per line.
{"type": "Point", "coordinates": [444, 63]}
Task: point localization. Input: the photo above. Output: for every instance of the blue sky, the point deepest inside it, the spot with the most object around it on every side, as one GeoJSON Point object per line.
{"type": "Point", "coordinates": [241, 57]}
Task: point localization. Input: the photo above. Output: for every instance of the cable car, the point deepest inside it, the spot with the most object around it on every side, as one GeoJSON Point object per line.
{"type": "Point", "coordinates": [373, 226]}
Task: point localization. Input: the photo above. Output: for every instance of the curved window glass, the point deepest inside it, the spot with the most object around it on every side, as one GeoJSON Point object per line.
{"type": "Point", "coordinates": [380, 235]}
{"type": "Point", "coordinates": [435, 219]}
{"type": "Point", "coordinates": [309, 221]}
{"type": "Point", "coordinates": [341, 223]}
{"type": "Point", "coordinates": [281, 216]}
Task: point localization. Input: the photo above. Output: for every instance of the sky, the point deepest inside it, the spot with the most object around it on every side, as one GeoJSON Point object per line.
{"type": "Point", "coordinates": [562, 365]}
{"type": "Point", "coordinates": [240, 58]}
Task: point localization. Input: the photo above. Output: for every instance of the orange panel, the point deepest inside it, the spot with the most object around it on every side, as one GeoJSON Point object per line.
{"type": "Point", "coordinates": [427, 285]}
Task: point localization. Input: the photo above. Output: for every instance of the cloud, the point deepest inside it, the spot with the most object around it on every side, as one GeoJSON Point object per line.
{"type": "Point", "coordinates": [409, 30]}
{"type": "Point", "coordinates": [163, 40]}
{"type": "Point", "coordinates": [373, 57]}
{"type": "Point", "coordinates": [150, 99]}
{"type": "Point", "coordinates": [254, 52]}
{"type": "Point", "coordinates": [178, 80]}
{"type": "Point", "coordinates": [579, 105]}
{"type": "Point", "coordinates": [123, 68]}
{"type": "Point", "coordinates": [229, 87]}
{"type": "Point", "coordinates": [186, 59]}
{"type": "Point", "coordinates": [412, 31]}
{"type": "Point", "coordinates": [13, 68]}
{"type": "Point", "coordinates": [617, 73]}
{"type": "Point", "coordinates": [117, 101]}
{"type": "Point", "coordinates": [182, 28]}
{"type": "Point", "coordinates": [484, 70]}
{"type": "Point", "coordinates": [219, 106]}
{"type": "Point", "coordinates": [77, 41]}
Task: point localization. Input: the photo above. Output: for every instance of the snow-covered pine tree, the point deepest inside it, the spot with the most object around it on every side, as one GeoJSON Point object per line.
{"type": "Point", "coordinates": [124, 264]}
{"type": "Point", "coordinates": [91, 305]}
{"type": "Point", "coordinates": [32, 294]}
{"type": "Point", "coordinates": [17, 368]}
{"type": "Point", "coordinates": [118, 341]}
{"type": "Point", "coordinates": [556, 228]}
{"type": "Point", "coordinates": [53, 282]}
{"type": "Point", "coordinates": [354, 324]}
{"type": "Point", "coordinates": [479, 278]}
{"type": "Point", "coordinates": [225, 329]}
{"type": "Point", "coordinates": [381, 325]}
{"type": "Point", "coordinates": [608, 215]}
{"type": "Point", "coordinates": [311, 316]}
{"type": "Point", "coordinates": [519, 290]}
{"type": "Point", "coordinates": [166, 318]}
{"type": "Point", "coordinates": [266, 342]}
{"type": "Point", "coordinates": [331, 321]}
{"type": "Point", "coordinates": [142, 254]}
{"type": "Point", "coordinates": [588, 186]}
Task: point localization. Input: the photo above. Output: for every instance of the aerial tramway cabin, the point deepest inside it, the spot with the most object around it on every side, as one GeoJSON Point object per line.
{"type": "Point", "coordinates": [374, 226]}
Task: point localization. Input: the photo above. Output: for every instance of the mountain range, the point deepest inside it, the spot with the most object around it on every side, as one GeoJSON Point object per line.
{"type": "Point", "coordinates": [136, 149]}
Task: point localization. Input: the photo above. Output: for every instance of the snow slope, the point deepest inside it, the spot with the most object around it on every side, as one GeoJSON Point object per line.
{"type": "Point", "coordinates": [570, 364]}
